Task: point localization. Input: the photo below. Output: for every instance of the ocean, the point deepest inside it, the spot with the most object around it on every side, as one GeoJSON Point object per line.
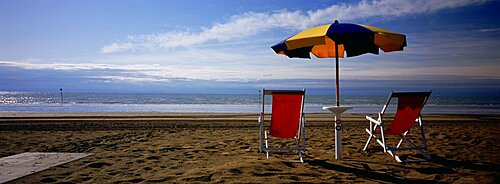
{"type": "Point", "coordinates": [221, 103]}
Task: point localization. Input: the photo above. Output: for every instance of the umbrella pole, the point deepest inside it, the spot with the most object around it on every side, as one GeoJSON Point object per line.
{"type": "Point", "coordinates": [337, 95]}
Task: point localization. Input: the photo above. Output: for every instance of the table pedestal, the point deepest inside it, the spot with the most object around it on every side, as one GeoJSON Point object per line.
{"type": "Point", "coordinates": [337, 111]}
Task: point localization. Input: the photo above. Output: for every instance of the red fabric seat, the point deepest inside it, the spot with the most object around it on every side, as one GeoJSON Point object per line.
{"type": "Point", "coordinates": [409, 108]}
{"type": "Point", "coordinates": [286, 113]}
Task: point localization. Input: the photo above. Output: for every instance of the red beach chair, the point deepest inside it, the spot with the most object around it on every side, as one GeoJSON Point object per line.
{"type": "Point", "coordinates": [410, 105]}
{"type": "Point", "coordinates": [287, 120]}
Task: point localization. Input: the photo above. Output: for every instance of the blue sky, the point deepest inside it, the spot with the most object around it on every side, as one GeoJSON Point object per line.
{"type": "Point", "coordinates": [224, 46]}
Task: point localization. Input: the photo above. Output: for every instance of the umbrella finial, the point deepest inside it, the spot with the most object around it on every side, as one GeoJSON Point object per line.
{"type": "Point", "coordinates": [336, 22]}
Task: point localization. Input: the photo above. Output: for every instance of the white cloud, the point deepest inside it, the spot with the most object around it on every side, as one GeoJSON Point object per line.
{"type": "Point", "coordinates": [240, 68]}
{"type": "Point", "coordinates": [116, 47]}
{"type": "Point", "coordinates": [131, 73]}
{"type": "Point", "coordinates": [111, 78]}
{"type": "Point", "coordinates": [157, 73]}
{"type": "Point", "coordinates": [252, 23]}
{"type": "Point", "coordinates": [489, 30]}
{"type": "Point", "coordinates": [73, 66]}
{"type": "Point", "coordinates": [412, 73]}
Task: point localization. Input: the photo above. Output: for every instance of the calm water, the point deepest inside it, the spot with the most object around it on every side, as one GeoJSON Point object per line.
{"type": "Point", "coordinates": [105, 102]}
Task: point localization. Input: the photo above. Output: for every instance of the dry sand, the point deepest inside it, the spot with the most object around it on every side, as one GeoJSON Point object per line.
{"type": "Point", "coordinates": [220, 148]}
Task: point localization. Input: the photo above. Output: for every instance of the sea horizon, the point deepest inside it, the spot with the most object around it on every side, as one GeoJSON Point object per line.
{"type": "Point", "coordinates": [221, 103]}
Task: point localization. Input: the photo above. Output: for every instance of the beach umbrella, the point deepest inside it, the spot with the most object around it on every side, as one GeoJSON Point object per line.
{"type": "Point", "coordinates": [331, 40]}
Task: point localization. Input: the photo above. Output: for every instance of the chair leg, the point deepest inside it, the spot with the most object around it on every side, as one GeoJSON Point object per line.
{"type": "Point", "coordinates": [299, 151]}
{"type": "Point", "coordinates": [370, 134]}
{"type": "Point", "coordinates": [403, 137]}
{"type": "Point", "coordinates": [421, 123]}
{"type": "Point", "coordinates": [393, 154]}
{"type": "Point", "coordinates": [304, 136]}
{"type": "Point", "coordinates": [260, 135]}
{"type": "Point", "coordinates": [421, 151]}
{"type": "Point", "coordinates": [267, 146]}
{"type": "Point", "coordinates": [383, 138]}
{"type": "Point", "coordinates": [425, 154]}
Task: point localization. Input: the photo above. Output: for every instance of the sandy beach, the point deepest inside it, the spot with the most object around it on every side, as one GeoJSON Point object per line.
{"type": "Point", "coordinates": [223, 148]}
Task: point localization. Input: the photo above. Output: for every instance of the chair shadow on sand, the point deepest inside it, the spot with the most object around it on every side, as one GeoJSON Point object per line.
{"type": "Point", "coordinates": [440, 165]}
{"type": "Point", "coordinates": [366, 172]}
{"type": "Point", "coordinates": [449, 166]}
{"type": "Point", "coordinates": [466, 164]}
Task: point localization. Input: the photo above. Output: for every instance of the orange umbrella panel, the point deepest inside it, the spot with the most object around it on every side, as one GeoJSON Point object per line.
{"type": "Point", "coordinates": [327, 50]}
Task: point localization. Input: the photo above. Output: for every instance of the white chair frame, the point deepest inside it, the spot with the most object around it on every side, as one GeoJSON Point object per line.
{"type": "Point", "coordinates": [379, 124]}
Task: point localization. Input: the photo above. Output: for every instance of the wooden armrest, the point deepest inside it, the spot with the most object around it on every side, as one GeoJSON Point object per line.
{"type": "Point", "coordinates": [373, 120]}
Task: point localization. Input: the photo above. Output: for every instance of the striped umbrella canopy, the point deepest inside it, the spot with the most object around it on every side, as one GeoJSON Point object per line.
{"type": "Point", "coordinates": [332, 40]}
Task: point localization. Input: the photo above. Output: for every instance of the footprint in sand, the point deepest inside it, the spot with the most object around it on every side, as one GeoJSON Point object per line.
{"type": "Point", "coordinates": [153, 158]}
{"type": "Point", "coordinates": [48, 180]}
{"type": "Point", "coordinates": [188, 155]}
{"type": "Point", "coordinates": [206, 178]}
{"type": "Point", "coordinates": [135, 180]}
{"type": "Point", "coordinates": [244, 147]}
{"type": "Point", "coordinates": [289, 164]}
{"type": "Point", "coordinates": [235, 171]}
{"type": "Point", "coordinates": [86, 178]}
{"type": "Point", "coordinates": [99, 164]}
{"type": "Point", "coordinates": [294, 178]}
{"type": "Point", "coordinates": [210, 147]}
{"type": "Point", "coordinates": [112, 172]}
{"type": "Point", "coordinates": [273, 170]}
{"type": "Point", "coordinates": [65, 174]}
{"type": "Point", "coordinates": [168, 178]}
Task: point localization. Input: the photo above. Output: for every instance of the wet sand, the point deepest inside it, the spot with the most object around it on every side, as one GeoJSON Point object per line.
{"type": "Point", "coordinates": [216, 148]}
